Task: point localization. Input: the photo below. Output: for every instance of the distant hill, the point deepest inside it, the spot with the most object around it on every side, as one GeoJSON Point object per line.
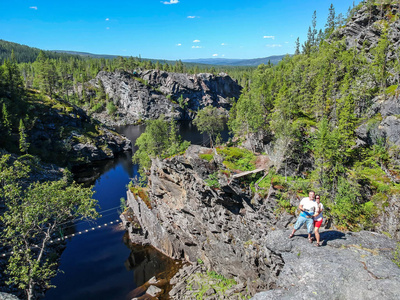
{"type": "Point", "coordinates": [205, 61]}
{"type": "Point", "coordinates": [108, 56]}
{"type": "Point", "coordinates": [237, 62]}
{"type": "Point", "coordinates": [25, 54]}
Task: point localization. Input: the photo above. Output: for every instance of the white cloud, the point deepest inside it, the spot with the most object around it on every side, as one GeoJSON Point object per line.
{"type": "Point", "coordinates": [223, 44]}
{"type": "Point", "coordinates": [33, 7]}
{"type": "Point", "coordinates": [170, 2]}
{"type": "Point", "coordinates": [273, 45]}
{"type": "Point", "coordinates": [107, 19]}
{"type": "Point", "coordinates": [286, 42]}
{"type": "Point", "coordinates": [196, 47]}
{"type": "Point", "coordinates": [107, 28]}
{"type": "Point", "coordinates": [223, 55]}
{"type": "Point", "coordinates": [192, 17]}
{"type": "Point", "coordinates": [215, 54]}
{"type": "Point", "coordinates": [269, 37]}
{"type": "Point", "coordinates": [196, 41]}
{"type": "Point", "coordinates": [179, 45]}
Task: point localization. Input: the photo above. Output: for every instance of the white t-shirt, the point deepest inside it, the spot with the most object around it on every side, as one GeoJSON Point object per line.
{"type": "Point", "coordinates": [309, 207]}
{"type": "Point", "coordinates": [321, 208]}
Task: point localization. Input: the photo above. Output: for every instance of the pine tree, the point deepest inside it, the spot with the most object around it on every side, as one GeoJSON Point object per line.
{"type": "Point", "coordinates": [330, 22]}
{"type": "Point", "coordinates": [23, 143]}
{"type": "Point", "coordinates": [12, 77]}
{"type": "Point", "coordinates": [297, 51]}
{"type": "Point", "coordinates": [6, 120]}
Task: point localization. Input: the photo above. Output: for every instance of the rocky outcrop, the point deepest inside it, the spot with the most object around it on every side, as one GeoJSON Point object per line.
{"type": "Point", "coordinates": [64, 134]}
{"type": "Point", "coordinates": [364, 29]}
{"type": "Point", "coordinates": [347, 266]}
{"type": "Point", "coordinates": [227, 231]}
{"type": "Point", "coordinates": [148, 94]}
{"type": "Point", "coordinates": [384, 123]}
{"type": "Point", "coordinates": [185, 218]}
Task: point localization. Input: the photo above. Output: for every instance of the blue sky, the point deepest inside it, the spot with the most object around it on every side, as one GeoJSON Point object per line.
{"type": "Point", "coordinates": [169, 29]}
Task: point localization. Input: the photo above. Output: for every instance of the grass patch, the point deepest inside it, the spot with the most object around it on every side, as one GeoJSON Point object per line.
{"type": "Point", "coordinates": [212, 180]}
{"type": "Point", "coordinates": [207, 157]}
{"type": "Point", "coordinates": [238, 158]}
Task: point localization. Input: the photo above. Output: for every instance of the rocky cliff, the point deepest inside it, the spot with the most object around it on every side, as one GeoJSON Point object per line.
{"type": "Point", "coordinates": [64, 134]}
{"type": "Point", "coordinates": [365, 29]}
{"type": "Point", "coordinates": [228, 231]}
{"type": "Point", "coordinates": [148, 94]}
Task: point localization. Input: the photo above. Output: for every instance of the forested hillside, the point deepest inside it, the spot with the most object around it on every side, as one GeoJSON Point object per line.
{"type": "Point", "coordinates": [323, 117]}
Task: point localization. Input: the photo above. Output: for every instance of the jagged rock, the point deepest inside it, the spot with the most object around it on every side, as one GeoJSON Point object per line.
{"type": "Point", "coordinates": [69, 136]}
{"type": "Point", "coordinates": [153, 291]}
{"type": "Point", "coordinates": [190, 220]}
{"type": "Point", "coordinates": [366, 27]}
{"type": "Point", "coordinates": [153, 92]}
{"type": "Point", "coordinates": [389, 219]}
{"type": "Point", "coordinates": [347, 266]}
{"type": "Point", "coordinates": [5, 296]}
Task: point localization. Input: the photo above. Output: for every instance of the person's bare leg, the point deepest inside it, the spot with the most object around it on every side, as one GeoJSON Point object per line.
{"type": "Point", "coordinates": [292, 234]}
{"type": "Point", "coordinates": [317, 236]}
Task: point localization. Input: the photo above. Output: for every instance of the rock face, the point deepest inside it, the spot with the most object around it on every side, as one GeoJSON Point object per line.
{"type": "Point", "coordinates": [366, 27]}
{"type": "Point", "coordinates": [187, 219]}
{"type": "Point", "coordinates": [386, 123]}
{"type": "Point", "coordinates": [67, 135]}
{"type": "Point", "coordinates": [148, 94]}
{"type": "Point", "coordinates": [347, 266]}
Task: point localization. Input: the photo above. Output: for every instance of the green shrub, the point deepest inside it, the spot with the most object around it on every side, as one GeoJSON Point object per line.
{"type": "Point", "coordinates": [98, 107]}
{"type": "Point", "coordinates": [391, 90]}
{"type": "Point", "coordinates": [212, 180]}
{"type": "Point", "coordinates": [111, 108]}
{"type": "Point", "coordinates": [238, 158]}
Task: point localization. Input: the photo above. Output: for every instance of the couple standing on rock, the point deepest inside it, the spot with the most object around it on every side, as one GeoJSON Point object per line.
{"type": "Point", "coordinates": [311, 214]}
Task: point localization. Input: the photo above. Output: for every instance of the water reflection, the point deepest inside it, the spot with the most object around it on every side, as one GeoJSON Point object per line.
{"type": "Point", "coordinates": [146, 262]}
{"type": "Point", "coordinates": [99, 265]}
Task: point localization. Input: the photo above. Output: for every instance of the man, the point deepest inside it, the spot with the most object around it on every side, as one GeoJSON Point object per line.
{"type": "Point", "coordinates": [309, 209]}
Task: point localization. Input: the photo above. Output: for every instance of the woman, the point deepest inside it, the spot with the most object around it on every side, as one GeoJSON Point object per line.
{"type": "Point", "coordinates": [318, 219]}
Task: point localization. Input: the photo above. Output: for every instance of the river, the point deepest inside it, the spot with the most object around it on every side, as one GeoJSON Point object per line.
{"type": "Point", "coordinates": [102, 264]}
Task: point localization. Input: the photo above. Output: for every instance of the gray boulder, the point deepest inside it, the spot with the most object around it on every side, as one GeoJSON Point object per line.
{"type": "Point", "coordinates": [5, 296]}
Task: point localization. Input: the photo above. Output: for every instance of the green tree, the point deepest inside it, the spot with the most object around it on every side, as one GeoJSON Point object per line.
{"type": "Point", "coordinates": [297, 51]}
{"type": "Point", "coordinates": [12, 77]}
{"type": "Point", "coordinates": [380, 61]}
{"type": "Point", "coordinates": [33, 215]}
{"type": "Point", "coordinates": [330, 22]}
{"type": "Point", "coordinates": [6, 120]}
{"type": "Point", "coordinates": [23, 143]}
{"type": "Point", "coordinates": [47, 75]}
{"type": "Point", "coordinates": [210, 120]}
{"type": "Point", "coordinates": [160, 139]}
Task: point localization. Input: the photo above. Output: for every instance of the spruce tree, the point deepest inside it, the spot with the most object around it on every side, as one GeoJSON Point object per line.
{"type": "Point", "coordinates": [23, 142]}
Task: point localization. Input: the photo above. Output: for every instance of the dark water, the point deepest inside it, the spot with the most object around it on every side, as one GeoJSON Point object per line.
{"type": "Point", "coordinates": [101, 264]}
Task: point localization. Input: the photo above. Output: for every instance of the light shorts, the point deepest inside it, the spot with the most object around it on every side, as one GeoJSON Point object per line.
{"type": "Point", "coordinates": [300, 222]}
{"type": "Point", "coordinates": [318, 223]}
